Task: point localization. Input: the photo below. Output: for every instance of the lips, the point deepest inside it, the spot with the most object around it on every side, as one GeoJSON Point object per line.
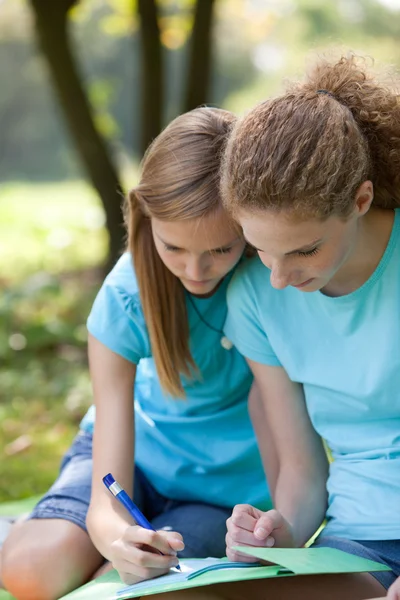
{"type": "Point", "coordinates": [300, 285]}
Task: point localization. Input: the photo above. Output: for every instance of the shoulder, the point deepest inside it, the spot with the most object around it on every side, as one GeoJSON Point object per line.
{"type": "Point", "coordinates": [121, 286]}
{"type": "Point", "coordinates": [249, 276]}
{"type": "Point", "coordinates": [123, 275]}
{"type": "Point", "coordinates": [116, 318]}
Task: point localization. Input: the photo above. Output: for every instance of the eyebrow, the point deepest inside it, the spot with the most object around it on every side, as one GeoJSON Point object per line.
{"type": "Point", "coordinates": [302, 249]}
{"type": "Point", "coordinates": [213, 250]}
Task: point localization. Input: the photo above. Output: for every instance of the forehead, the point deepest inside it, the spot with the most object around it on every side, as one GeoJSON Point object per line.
{"type": "Point", "coordinates": [197, 235]}
{"type": "Point", "coordinates": [279, 232]}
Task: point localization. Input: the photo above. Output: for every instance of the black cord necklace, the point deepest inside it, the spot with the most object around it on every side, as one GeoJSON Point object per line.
{"type": "Point", "coordinates": [225, 343]}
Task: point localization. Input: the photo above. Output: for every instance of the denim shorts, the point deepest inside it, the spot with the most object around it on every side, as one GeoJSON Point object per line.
{"type": "Point", "coordinates": [203, 526]}
{"type": "Point", "coordinates": [386, 552]}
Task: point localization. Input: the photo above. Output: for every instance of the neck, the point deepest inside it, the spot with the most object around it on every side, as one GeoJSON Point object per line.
{"type": "Point", "coordinates": [373, 235]}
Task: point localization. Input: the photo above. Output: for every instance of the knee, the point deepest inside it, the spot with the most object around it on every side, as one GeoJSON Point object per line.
{"type": "Point", "coordinates": [24, 575]}
{"type": "Point", "coordinates": [32, 569]}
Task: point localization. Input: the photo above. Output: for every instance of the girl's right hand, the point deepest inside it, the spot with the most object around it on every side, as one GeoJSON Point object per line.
{"type": "Point", "coordinates": [249, 526]}
{"type": "Point", "coordinates": [394, 590]}
{"type": "Point", "coordinates": [136, 555]}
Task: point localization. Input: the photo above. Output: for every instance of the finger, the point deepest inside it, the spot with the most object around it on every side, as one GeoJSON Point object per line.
{"type": "Point", "coordinates": [241, 537]}
{"type": "Point", "coordinates": [139, 557]}
{"type": "Point", "coordinates": [236, 556]}
{"type": "Point", "coordinates": [231, 548]}
{"type": "Point", "coordinates": [248, 509]}
{"type": "Point", "coordinates": [243, 519]}
{"type": "Point", "coordinates": [129, 577]}
{"type": "Point", "coordinates": [267, 523]}
{"type": "Point", "coordinates": [393, 594]}
{"type": "Point", "coordinates": [174, 539]}
{"type": "Point", "coordinates": [154, 539]}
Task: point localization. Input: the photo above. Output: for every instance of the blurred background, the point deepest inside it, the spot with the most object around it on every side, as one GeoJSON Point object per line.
{"type": "Point", "coordinates": [85, 86]}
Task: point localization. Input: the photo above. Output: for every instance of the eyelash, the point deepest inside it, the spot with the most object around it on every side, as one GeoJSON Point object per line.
{"type": "Point", "coordinates": [312, 252]}
{"type": "Point", "coordinates": [219, 251]}
{"type": "Point", "coordinates": [222, 251]}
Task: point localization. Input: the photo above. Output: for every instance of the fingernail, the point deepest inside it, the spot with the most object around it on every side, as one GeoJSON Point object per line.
{"type": "Point", "coordinates": [270, 542]}
{"type": "Point", "coordinates": [261, 533]}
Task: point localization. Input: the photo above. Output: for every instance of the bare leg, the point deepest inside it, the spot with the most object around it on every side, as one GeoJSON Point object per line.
{"type": "Point", "coordinates": [102, 570]}
{"type": "Point", "coordinates": [1, 582]}
{"type": "Point", "coordinates": [43, 559]}
{"type": "Point", "coordinates": [358, 586]}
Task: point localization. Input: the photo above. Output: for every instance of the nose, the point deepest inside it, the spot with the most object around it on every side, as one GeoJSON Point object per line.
{"type": "Point", "coordinates": [279, 278]}
{"type": "Point", "coordinates": [196, 267]}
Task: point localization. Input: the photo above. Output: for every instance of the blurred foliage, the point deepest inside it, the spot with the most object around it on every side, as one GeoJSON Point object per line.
{"type": "Point", "coordinates": [49, 227]}
{"type": "Point", "coordinates": [44, 382]}
{"type": "Point", "coordinates": [52, 235]}
{"type": "Point", "coordinates": [256, 43]}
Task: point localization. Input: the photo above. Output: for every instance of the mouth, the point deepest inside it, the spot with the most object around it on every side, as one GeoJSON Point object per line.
{"type": "Point", "coordinates": [304, 284]}
{"type": "Point", "coordinates": [198, 283]}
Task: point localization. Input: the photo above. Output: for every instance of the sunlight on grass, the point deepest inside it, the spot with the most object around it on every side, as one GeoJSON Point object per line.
{"type": "Point", "coordinates": [52, 239]}
{"type": "Point", "coordinates": [52, 227]}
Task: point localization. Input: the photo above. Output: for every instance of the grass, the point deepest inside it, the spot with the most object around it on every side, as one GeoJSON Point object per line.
{"type": "Point", "coordinates": [52, 240]}
{"type": "Point", "coordinates": [49, 227]}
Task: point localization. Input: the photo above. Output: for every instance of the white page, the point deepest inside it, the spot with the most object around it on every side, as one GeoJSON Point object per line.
{"type": "Point", "coordinates": [174, 576]}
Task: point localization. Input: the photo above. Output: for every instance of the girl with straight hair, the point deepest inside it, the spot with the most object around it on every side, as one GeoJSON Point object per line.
{"type": "Point", "coordinates": [313, 178]}
{"type": "Point", "coordinates": [185, 446]}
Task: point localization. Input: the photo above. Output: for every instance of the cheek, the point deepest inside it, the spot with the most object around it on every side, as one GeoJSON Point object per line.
{"type": "Point", "coordinates": [263, 257]}
{"type": "Point", "coordinates": [230, 260]}
{"type": "Point", "coordinates": [170, 260]}
{"type": "Point", "coordinates": [331, 262]}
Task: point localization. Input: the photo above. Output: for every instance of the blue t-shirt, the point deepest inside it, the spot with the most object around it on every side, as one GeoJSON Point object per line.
{"type": "Point", "coordinates": [201, 448]}
{"type": "Point", "coordinates": [346, 353]}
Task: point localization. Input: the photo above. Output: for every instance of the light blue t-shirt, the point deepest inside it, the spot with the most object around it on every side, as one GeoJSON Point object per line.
{"type": "Point", "coordinates": [201, 448]}
{"type": "Point", "coordinates": [346, 353]}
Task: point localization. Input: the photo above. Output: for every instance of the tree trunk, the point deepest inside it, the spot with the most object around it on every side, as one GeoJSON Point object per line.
{"type": "Point", "coordinates": [151, 73]}
{"type": "Point", "coordinates": [199, 63]}
{"type": "Point", "coordinates": [52, 30]}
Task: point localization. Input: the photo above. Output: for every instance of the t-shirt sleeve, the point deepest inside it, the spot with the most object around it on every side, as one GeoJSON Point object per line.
{"type": "Point", "coordinates": [117, 321]}
{"type": "Point", "coordinates": [243, 325]}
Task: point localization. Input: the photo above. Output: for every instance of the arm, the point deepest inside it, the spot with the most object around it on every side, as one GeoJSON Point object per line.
{"type": "Point", "coordinates": [264, 438]}
{"type": "Point", "coordinates": [111, 529]}
{"type": "Point", "coordinates": [300, 490]}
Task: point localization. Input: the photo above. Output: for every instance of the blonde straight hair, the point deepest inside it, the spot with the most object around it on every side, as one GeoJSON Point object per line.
{"type": "Point", "coordinates": [179, 181]}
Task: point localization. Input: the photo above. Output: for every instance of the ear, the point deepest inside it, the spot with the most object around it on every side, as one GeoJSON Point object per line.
{"type": "Point", "coordinates": [364, 198]}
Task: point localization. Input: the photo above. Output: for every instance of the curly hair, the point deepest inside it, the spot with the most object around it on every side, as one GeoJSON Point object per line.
{"type": "Point", "coordinates": [308, 150]}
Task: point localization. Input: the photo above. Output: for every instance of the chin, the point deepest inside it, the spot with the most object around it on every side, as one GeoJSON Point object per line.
{"type": "Point", "coordinates": [200, 289]}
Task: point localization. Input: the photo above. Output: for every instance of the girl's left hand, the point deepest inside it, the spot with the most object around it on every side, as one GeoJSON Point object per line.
{"type": "Point", "coordinates": [249, 526]}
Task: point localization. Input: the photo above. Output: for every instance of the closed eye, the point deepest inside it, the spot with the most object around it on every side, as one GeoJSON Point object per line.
{"type": "Point", "coordinates": [171, 248]}
{"type": "Point", "coordinates": [222, 250]}
{"type": "Point", "coordinates": [309, 252]}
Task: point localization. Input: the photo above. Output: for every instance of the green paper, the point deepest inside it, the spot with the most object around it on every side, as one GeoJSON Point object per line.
{"type": "Point", "coordinates": [315, 561]}
{"type": "Point", "coordinates": [103, 587]}
{"type": "Point", "coordinates": [288, 563]}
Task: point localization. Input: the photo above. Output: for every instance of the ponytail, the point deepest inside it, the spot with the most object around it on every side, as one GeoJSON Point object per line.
{"type": "Point", "coordinates": [375, 108]}
{"type": "Point", "coordinates": [309, 150]}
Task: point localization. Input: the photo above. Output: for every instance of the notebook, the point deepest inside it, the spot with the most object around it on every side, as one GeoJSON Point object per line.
{"type": "Point", "coordinates": [285, 562]}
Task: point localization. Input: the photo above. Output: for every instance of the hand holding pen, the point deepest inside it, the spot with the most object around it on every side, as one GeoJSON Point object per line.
{"type": "Point", "coordinates": [142, 552]}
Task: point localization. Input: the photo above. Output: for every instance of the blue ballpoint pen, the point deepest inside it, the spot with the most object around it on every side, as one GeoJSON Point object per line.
{"type": "Point", "coordinates": [120, 494]}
